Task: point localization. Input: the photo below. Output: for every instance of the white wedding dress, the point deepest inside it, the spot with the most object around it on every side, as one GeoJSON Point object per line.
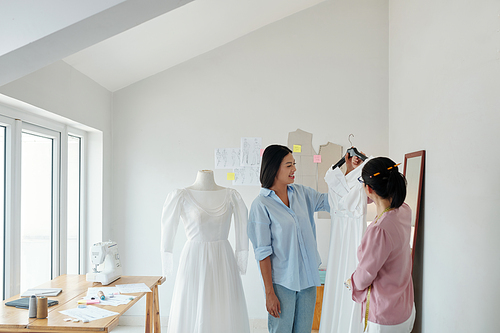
{"type": "Point", "coordinates": [208, 295]}
{"type": "Point", "coordinates": [347, 198]}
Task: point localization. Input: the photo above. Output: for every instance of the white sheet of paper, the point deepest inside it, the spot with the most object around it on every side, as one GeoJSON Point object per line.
{"type": "Point", "coordinates": [113, 300]}
{"type": "Point", "coordinates": [227, 158]}
{"type": "Point", "coordinates": [246, 176]}
{"type": "Point", "coordinates": [133, 288]}
{"type": "Point", "coordinates": [92, 292]}
{"type": "Point", "coordinates": [90, 313]}
{"type": "Point", "coordinates": [46, 292]}
{"type": "Point", "coordinates": [112, 295]}
{"type": "Point", "coordinates": [250, 151]}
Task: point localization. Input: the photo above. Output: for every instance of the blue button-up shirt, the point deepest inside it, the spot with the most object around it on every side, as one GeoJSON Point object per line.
{"type": "Point", "coordinates": [288, 234]}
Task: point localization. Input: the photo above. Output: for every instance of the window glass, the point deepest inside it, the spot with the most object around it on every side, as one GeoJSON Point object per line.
{"type": "Point", "coordinates": [36, 210]}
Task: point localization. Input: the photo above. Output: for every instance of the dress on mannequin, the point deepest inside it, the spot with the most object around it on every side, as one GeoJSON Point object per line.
{"type": "Point", "coordinates": [208, 294]}
{"type": "Point", "coordinates": [340, 314]}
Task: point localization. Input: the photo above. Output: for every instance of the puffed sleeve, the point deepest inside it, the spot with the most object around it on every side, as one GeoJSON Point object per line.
{"type": "Point", "coordinates": [169, 222]}
{"type": "Point", "coordinates": [373, 252]}
{"type": "Point", "coordinates": [355, 201]}
{"type": "Point", "coordinates": [351, 198]}
{"type": "Point", "coordinates": [259, 230]}
{"type": "Point", "coordinates": [335, 180]}
{"type": "Point", "coordinates": [240, 214]}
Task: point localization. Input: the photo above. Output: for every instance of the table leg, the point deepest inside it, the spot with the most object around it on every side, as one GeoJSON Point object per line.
{"type": "Point", "coordinates": [156, 313]}
{"type": "Point", "coordinates": [149, 313]}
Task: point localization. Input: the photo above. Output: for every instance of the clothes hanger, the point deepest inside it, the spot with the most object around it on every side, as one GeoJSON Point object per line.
{"type": "Point", "coordinates": [353, 151]}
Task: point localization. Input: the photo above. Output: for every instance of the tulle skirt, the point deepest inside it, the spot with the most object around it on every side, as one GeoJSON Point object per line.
{"type": "Point", "coordinates": [208, 295]}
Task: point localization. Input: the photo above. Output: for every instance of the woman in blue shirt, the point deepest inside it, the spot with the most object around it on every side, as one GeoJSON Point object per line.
{"type": "Point", "coordinates": [283, 233]}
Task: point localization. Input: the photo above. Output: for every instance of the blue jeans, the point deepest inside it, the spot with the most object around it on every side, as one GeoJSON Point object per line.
{"type": "Point", "coordinates": [297, 311]}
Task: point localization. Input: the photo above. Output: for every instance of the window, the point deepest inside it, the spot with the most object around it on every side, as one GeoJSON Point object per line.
{"type": "Point", "coordinates": [41, 168]}
{"type": "Point", "coordinates": [39, 184]}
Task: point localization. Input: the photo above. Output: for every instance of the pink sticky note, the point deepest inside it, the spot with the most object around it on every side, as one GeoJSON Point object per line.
{"type": "Point", "coordinates": [317, 158]}
{"type": "Point", "coordinates": [261, 152]}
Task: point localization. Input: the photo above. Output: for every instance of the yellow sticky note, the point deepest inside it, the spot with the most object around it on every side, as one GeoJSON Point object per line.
{"type": "Point", "coordinates": [297, 148]}
{"type": "Point", "coordinates": [230, 176]}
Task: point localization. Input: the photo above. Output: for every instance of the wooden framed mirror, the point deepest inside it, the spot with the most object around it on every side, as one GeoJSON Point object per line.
{"type": "Point", "coordinates": [414, 173]}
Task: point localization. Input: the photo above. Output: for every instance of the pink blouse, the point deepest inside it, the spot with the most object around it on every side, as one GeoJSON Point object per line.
{"type": "Point", "coordinates": [385, 263]}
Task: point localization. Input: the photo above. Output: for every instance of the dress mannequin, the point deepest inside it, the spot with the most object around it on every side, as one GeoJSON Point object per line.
{"type": "Point", "coordinates": [206, 192]}
{"type": "Point", "coordinates": [205, 182]}
{"type": "Point", "coordinates": [208, 283]}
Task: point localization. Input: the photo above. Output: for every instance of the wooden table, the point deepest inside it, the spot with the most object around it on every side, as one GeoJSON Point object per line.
{"type": "Point", "coordinates": [74, 288]}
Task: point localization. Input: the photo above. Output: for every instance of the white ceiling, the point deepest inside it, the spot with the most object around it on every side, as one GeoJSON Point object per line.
{"type": "Point", "coordinates": [23, 22]}
{"type": "Point", "coordinates": [177, 36]}
{"type": "Point", "coordinates": [37, 33]}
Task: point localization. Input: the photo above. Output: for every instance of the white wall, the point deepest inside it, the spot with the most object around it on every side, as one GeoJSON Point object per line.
{"type": "Point", "coordinates": [61, 90]}
{"type": "Point", "coordinates": [323, 70]}
{"type": "Point", "coordinates": [445, 98]}
{"type": "Point", "coordinates": [64, 94]}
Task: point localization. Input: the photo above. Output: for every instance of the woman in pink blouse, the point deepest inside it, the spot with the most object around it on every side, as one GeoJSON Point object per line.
{"type": "Point", "coordinates": [382, 281]}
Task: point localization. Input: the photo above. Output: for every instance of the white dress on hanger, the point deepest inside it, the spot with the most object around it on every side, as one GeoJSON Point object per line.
{"type": "Point", "coordinates": [208, 294]}
{"type": "Point", "coordinates": [347, 198]}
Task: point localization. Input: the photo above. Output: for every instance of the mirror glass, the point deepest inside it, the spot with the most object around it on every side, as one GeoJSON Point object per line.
{"type": "Point", "coordinates": [414, 172]}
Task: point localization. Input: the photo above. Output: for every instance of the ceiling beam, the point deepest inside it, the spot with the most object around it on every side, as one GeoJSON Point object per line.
{"type": "Point", "coordinates": [80, 35]}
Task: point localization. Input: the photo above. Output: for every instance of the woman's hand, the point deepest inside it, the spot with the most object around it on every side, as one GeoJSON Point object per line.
{"type": "Point", "coordinates": [273, 305]}
{"type": "Point", "coordinates": [348, 284]}
{"type": "Point", "coordinates": [352, 162]}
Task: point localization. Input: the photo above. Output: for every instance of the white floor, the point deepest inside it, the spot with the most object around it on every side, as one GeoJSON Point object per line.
{"type": "Point", "coordinates": [140, 329]}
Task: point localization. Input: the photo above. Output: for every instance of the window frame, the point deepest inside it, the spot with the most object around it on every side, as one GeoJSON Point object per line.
{"type": "Point", "coordinates": [15, 122]}
{"type": "Point", "coordinates": [58, 218]}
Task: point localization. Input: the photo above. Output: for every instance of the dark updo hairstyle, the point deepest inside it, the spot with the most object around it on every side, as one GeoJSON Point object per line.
{"type": "Point", "coordinates": [384, 178]}
{"type": "Point", "coordinates": [271, 161]}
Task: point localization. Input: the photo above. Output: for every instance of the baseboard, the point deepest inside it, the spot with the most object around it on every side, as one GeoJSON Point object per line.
{"type": "Point", "coordinates": [141, 321]}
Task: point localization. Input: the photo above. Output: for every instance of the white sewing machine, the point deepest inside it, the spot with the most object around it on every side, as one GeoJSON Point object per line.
{"type": "Point", "coordinates": [104, 255]}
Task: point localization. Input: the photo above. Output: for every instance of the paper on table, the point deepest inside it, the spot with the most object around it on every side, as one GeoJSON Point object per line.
{"type": "Point", "coordinates": [42, 292]}
{"type": "Point", "coordinates": [133, 288]}
{"type": "Point", "coordinates": [114, 300]}
{"type": "Point", "coordinates": [90, 313]}
{"type": "Point", "coordinates": [112, 295]}
{"type": "Point", "coordinates": [92, 292]}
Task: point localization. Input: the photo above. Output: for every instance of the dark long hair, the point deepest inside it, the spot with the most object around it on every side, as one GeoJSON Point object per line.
{"type": "Point", "coordinates": [384, 178]}
{"type": "Point", "coordinates": [271, 161]}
